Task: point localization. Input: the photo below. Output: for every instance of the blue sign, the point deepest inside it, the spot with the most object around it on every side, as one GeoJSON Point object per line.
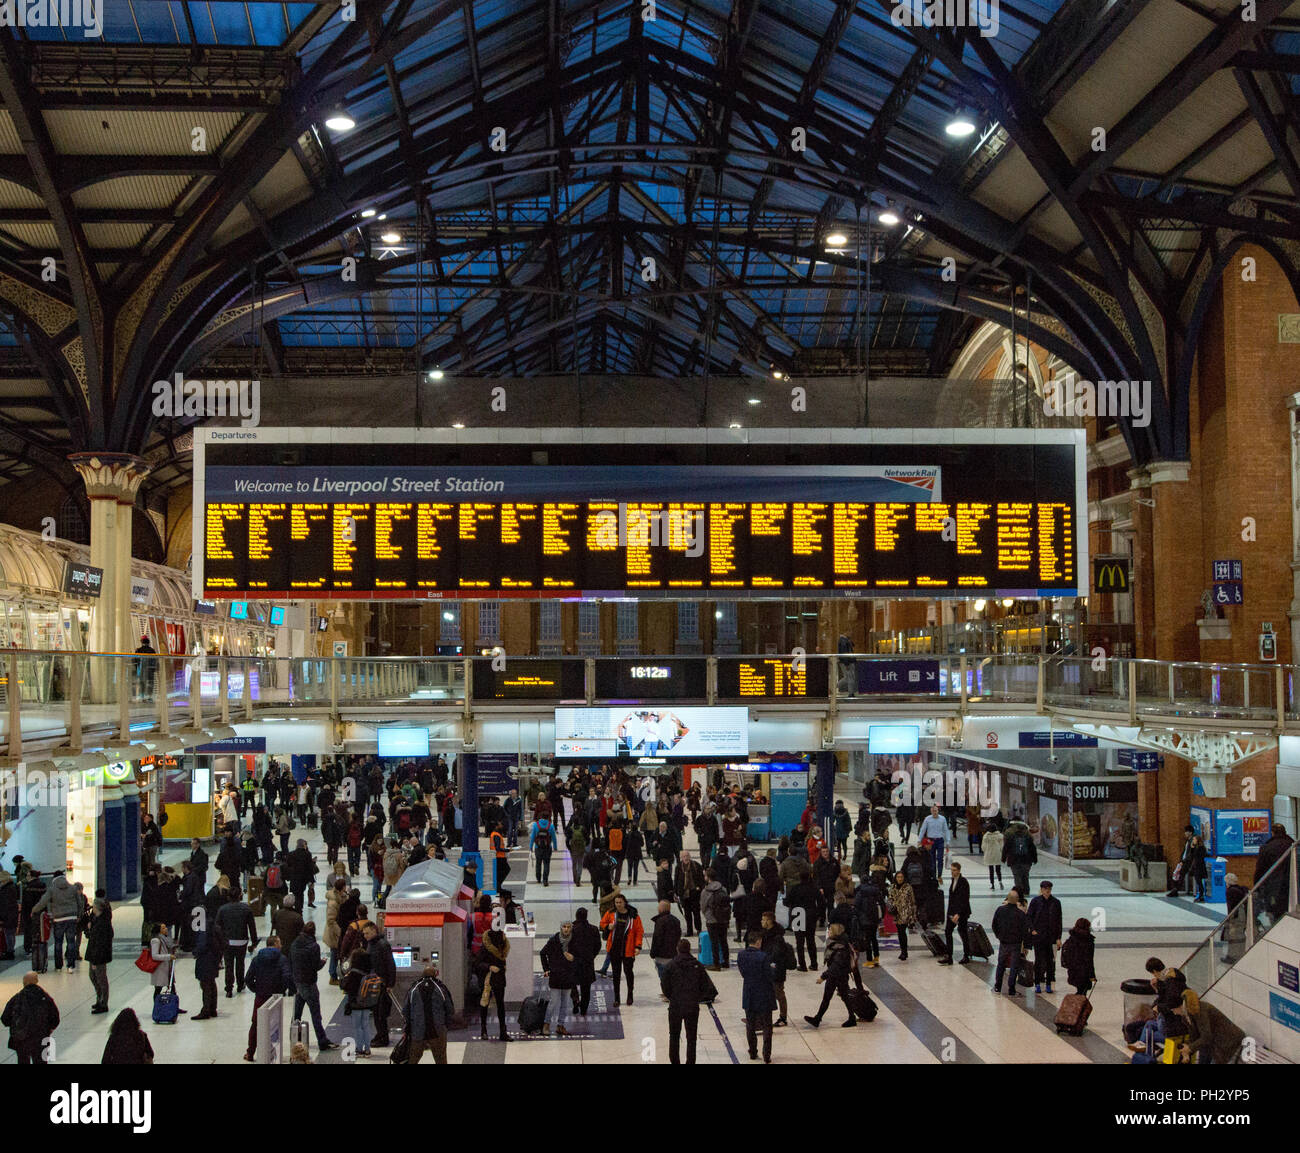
{"type": "Point", "coordinates": [496, 774]}
{"type": "Point", "coordinates": [1202, 820]}
{"type": "Point", "coordinates": [233, 745]}
{"type": "Point", "coordinates": [1138, 760]}
{"type": "Point", "coordinates": [1228, 593]}
{"type": "Point", "coordinates": [1240, 832]}
{"type": "Point", "coordinates": [1288, 976]}
{"type": "Point", "coordinates": [1198, 789]}
{"type": "Point", "coordinates": [898, 677]}
{"type": "Point", "coordinates": [1062, 738]}
{"type": "Point", "coordinates": [1284, 1011]}
{"type": "Point", "coordinates": [1227, 570]}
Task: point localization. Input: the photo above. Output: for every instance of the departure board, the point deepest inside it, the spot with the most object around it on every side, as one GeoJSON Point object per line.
{"type": "Point", "coordinates": [781, 678]}
{"type": "Point", "coordinates": [914, 519]}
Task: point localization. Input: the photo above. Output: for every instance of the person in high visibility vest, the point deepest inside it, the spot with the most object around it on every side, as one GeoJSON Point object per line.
{"type": "Point", "coordinates": [501, 846]}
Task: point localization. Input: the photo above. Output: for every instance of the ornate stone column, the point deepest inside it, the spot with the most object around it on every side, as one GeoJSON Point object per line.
{"type": "Point", "coordinates": [112, 480]}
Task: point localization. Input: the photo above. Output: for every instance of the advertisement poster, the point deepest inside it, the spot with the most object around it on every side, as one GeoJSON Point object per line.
{"type": "Point", "coordinates": [1240, 832]}
{"type": "Point", "coordinates": [1049, 825]}
{"type": "Point", "coordinates": [652, 732]}
{"type": "Point", "coordinates": [1202, 820]}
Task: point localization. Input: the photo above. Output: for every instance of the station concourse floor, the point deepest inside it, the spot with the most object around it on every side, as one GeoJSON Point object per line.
{"type": "Point", "coordinates": [928, 1013]}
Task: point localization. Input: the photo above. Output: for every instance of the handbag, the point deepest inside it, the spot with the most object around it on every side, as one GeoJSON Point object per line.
{"type": "Point", "coordinates": [146, 962]}
{"type": "Point", "coordinates": [1178, 871]}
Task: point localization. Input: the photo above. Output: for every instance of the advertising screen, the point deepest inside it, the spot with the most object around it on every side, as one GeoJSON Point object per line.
{"type": "Point", "coordinates": [893, 739]}
{"type": "Point", "coordinates": [926, 513]}
{"type": "Point", "coordinates": [674, 733]}
{"type": "Point", "coordinates": [277, 615]}
{"type": "Point", "coordinates": [402, 741]}
{"type": "Point", "coordinates": [239, 610]}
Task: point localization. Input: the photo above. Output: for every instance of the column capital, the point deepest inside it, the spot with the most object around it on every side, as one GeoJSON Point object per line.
{"type": "Point", "coordinates": [110, 475]}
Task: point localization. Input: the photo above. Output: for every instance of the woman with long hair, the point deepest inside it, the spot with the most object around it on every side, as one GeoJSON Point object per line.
{"type": "Point", "coordinates": [491, 965]}
{"type": "Point", "coordinates": [128, 1044]}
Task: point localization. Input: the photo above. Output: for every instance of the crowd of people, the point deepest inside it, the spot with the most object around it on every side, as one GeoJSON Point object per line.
{"type": "Point", "coordinates": [245, 911]}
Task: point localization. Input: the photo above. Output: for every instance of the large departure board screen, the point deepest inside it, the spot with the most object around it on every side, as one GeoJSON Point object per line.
{"type": "Point", "coordinates": [368, 514]}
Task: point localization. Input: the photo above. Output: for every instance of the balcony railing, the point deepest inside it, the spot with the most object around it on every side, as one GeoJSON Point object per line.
{"type": "Point", "coordinates": [45, 695]}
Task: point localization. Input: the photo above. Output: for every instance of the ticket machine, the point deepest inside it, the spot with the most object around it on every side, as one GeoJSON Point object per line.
{"type": "Point", "coordinates": [426, 921]}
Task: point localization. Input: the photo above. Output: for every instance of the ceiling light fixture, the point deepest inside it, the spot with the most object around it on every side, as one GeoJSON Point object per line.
{"type": "Point", "coordinates": [961, 125]}
{"type": "Point", "coordinates": [754, 400]}
{"type": "Point", "coordinates": [367, 213]}
{"type": "Point", "coordinates": [340, 121]}
{"type": "Point", "coordinates": [436, 374]}
{"type": "Point", "coordinates": [889, 218]}
{"type": "Point", "coordinates": [836, 240]}
{"type": "Point", "coordinates": [777, 374]}
{"type": "Point", "coordinates": [734, 424]}
{"type": "Point", "coordinates": [457, 424]}
{"type": "Point", "coordinates": [391, 238]}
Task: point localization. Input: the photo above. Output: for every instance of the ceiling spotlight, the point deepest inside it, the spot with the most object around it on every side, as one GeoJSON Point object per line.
{"type": "Point", "coordinates": [836, 240]}
{"type": "Point", "coordinates": [777, 374]}
{"type": "Point", "coordinates": [457, 424]}
{"type": "Point", "coordinates": [889, 218]}
{"type": "Point", "coordinates": [340, 121]}
{"type": "Point", "coordinates": [1007, 603]}
{"type": "Point", "coordinates": [734, 424]}
{"type": "Point", "coordinates": [436, 374]}
{"type": "Point", "coordinates": [367, 213]}
{"type": "Point", "coordinates": [961, 125]}
{"type": "Point", "coordinates": [391, 238]}
{"type": "Point", "coordinates": [448, 615]}
{"type": "Point", "coordinates": [979, 606]}
{"type": "Point", "coordinates": [754, 400]}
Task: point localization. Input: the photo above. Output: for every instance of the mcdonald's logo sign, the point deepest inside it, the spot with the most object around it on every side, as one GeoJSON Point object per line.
{"type": "Point", "coordinates": [1110, 574]}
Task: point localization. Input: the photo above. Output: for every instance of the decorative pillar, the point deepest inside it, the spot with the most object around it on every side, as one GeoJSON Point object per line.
{"type": "Point", "coordinates": [112, 480]}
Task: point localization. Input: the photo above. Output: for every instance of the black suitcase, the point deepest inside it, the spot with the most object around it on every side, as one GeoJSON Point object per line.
{"type": "Point", "coordinates": [935, 942]}
{"type": "Point", "coordinates": [978, 940]}
{"type": "Point", "coordinates": [930, 906]}
{"type": "Point", "coordinates": [863, 1007]}
{"type": "Point", "coordinates": [532, 1014]}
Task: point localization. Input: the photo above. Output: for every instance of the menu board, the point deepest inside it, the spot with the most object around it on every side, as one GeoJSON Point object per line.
{"type": "Point", "coordinates": [949, 520]}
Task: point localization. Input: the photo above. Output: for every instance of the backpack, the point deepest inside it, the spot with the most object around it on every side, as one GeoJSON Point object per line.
{"type": "Point", "coordinates": [273, 876]}
{"type": "Point", "coordinates": [542, 845]}
{"type": "Point", "coordinates": [369, 991]}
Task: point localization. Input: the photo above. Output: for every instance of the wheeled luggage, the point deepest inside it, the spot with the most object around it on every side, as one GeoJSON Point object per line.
{"type": "Point", "coordinates": [532, 1014]}
{"type": "Point", "coordinates": [935, 942]}
{"type": "Point", "coordinates": [1072, 1016]}
{"type": "Point", "coordinates": [978, 940]}
{"type": "Point", "coordinates": [863, 1007]}
{"type": "Point", "coordinates": [167, 1006]}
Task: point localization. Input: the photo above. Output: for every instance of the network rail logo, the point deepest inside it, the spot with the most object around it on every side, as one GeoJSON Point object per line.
{"type": "Point", "coordinates": [982, 15]}
{"type": "Point", "coordinates": [87, 15]}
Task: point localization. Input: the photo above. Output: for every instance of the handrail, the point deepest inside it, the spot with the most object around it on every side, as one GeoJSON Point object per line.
{"type": "Point", "coordinates": [1246, 909]}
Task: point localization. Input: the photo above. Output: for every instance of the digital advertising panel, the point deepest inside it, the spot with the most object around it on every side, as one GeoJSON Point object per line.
{"type": "Point", "coordinates": [676, 733]}
{"type": "Point", "coordinates": [371, 514]}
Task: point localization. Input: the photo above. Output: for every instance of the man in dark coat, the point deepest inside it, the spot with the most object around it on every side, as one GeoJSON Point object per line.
{"type": "Point", "coordinates": [686, 983]}
{"type": "Point", "coordinates": [1011, 928]}
{"type": "Point", "coordinates": [663, 941]}
{"type": "Point", "coordinates": [429, 1010]}
{"type": "Point", "coordinates": [31, 1016]}
{"type": "Point", "coordinates": [382, 963]}
{"type": "Point", "coordinates": [1277, 888]}
{"type": "Point", "coordinates": [558, 967]}
{"type": "Point", "coordinates": [300, 869]}
{"type": "Point", "coordinates": [959, 915]}
{"type": "Point", "coordinates": [99, 951]}
{"type": "Point", "coordinates": [305, 962]}
{"type": "Point", "coordinates": [758, 995]}
{"type": "Point", "coordinates": [268, 974]}
{"type": "Point", "coordinates": [585, 947]}
{"type": "Point", "coordinates": [1045, 930]}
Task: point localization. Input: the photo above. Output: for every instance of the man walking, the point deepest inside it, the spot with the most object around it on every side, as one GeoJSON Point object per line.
{"type": "Point", "coordinates": [305, 962]}
{"type": "Point", "coordinates": [429, 1009]}
{"type": "Point", "coordinates": [958, 915]}
{"type": "Point", "coordinates": [758, 995]}
{"type": "Point", "coordinates": [31, 1016]}
{"type": "Point", "coordinates": [686, 983]}
{"type": "Point", "coordinates": [1010, 927]}
{"type": "Point", "coordinates": [935, 827]}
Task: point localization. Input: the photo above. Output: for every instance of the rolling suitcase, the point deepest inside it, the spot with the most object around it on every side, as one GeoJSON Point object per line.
{"type": "Point", "coordinates": [863, 1007]}
{"type": "Point", "coordinates": [299, 1033]}
{"type": "Point", "coordinates": [1072, 1016]}
{"type": "Point", "coordinates": [978, 940]}
{"type": "Point", "coordinates": [532, 1014]}
{"type": "Point", "coordinates": [167, 1006]}
{"type": "Point", "coordinates": [935, 942]}
{"type": "Point", "coordinates": [706, 947]}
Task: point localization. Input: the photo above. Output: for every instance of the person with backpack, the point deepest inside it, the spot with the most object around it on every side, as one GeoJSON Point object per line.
{"type": "Point", "coordinates": [542, 842]}
{"type": "Point", "coordinates": [429, 1010]}
{"type": "Point", "coordinates": [31, 1016]}
{"type": "Point", "coordinates": [585, 947]}
{"type": "Point", "coordinates": [687, 984]}
{"type": "Point", "coordinates": [210, 947]}
{"type": "Point", "coordinates": [633, 852]}
{"type": "Point", "coordinates": [1011, 928]}
{"type": "Point", "coordinates": [558, 967]}
{"type": "Point", "coordinates": [802, 900]}
{"type": "Point", "coordinates": [1020, 852]}
{"type": "Point", "coordinates": [868, 911]}
{"type": "Point", "coordinates": [715, 907]}
{"type": "Point", "coordinates": [300, 870]}
{"type": "Point", "coordinates": [276, 886]}
{"type": "Point", "coordinates": [64, 906]}
{"type": "Point", "coordinates": [361, 990]}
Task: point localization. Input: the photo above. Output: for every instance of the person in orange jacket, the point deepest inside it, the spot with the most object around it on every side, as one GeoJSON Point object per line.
{"type": "Point", "coordinates": [623, 933]}
{"type": "Point", "coordinates": [501, 847]}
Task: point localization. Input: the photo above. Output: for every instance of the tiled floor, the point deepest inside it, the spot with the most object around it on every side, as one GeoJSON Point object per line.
{"type": "Point", "coordinates": [928, 1013]}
